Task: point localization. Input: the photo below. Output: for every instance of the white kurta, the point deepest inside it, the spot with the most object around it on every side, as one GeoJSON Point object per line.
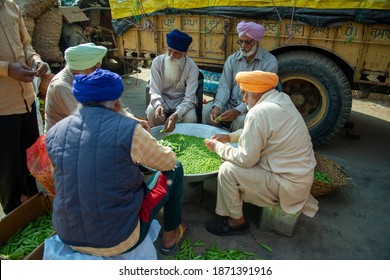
{"type": "Point", "coordinates": [60, 101]}
{"type": "Point", "coordinates": [180, 97]}
{"type": "Point", "coordinates": [274, 161]}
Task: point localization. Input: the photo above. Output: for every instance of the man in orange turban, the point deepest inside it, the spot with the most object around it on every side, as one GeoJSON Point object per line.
{"type": "Point", "coordinates": [273, 163]}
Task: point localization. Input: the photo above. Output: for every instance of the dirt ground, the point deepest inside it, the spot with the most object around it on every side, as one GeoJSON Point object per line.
{"type": "Point", "coordinates": [353, 223]}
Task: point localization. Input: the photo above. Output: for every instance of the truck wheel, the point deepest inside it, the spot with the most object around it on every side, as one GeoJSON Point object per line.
{"type": "Point", "coordinates": [320, 91]}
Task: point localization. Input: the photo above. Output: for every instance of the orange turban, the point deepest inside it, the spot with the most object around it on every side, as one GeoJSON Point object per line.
{"type": "Point", "coordinates": [257, 81]}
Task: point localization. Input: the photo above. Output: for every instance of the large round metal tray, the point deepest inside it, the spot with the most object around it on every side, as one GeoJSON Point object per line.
{"type": "Point", "coordinates": [191, 129]}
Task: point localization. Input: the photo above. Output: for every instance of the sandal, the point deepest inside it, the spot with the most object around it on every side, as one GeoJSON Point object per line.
{"type": "Point", "coordinates": [170, 250]}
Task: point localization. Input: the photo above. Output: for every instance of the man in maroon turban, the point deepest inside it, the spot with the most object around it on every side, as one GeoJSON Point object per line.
{"type": "Point", "coordinates": [227, 106]}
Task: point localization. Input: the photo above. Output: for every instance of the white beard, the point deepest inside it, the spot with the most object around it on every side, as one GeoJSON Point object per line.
{"type": "Point", "coordinates": [250, 53]}
{"type": "Point", "coordinates": [173, 69]}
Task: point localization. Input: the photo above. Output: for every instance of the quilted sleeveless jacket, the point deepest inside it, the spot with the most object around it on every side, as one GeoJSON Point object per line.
{"type": "Point", "coordinates": [99, 190]}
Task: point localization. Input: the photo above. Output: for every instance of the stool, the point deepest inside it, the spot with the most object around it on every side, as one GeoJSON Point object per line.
{"type": "Point", "coordinates": [274, 219]}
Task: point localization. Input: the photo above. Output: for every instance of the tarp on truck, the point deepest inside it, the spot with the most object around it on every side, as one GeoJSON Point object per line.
{"type": "Point", "coordinates": [317, 13]}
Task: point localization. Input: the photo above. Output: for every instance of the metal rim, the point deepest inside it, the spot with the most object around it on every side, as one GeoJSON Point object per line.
{"type": "Point", "coordinates": [308, 96]}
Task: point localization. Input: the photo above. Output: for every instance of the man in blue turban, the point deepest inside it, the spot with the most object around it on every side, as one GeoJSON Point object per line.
{"type": "Point", "coordinates": [102, 205]}
{"type": "Point", "coordinates": [173, 84]}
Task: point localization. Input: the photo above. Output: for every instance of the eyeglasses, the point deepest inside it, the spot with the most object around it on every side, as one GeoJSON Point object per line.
{"type": "Point", "coordinates": [246, 42]}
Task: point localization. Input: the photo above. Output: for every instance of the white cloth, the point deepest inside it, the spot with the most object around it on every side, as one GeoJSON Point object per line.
{"type": "Point", "coordinates": [55, 249]}
{"type": "Point", "coordinates": [60, 101]}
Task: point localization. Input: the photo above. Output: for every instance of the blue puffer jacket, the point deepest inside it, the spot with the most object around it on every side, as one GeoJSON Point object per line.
{"type": "Point", "coordinates": [98, 189]}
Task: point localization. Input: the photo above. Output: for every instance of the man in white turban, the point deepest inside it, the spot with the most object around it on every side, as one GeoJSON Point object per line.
{"type": "Point", "coordinates": [227, 107]}
{"type": "Point", "coordinates": [60, 102]}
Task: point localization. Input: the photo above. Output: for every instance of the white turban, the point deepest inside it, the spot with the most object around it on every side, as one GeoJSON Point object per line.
{"type": "Point", "coordinates": [84, 56]}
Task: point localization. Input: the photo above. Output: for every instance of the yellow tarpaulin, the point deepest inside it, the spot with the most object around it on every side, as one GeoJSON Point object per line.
{"type": "Point", "coordinates": [128, 8]}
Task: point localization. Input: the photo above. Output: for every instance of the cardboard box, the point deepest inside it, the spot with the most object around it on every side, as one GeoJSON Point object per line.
{"type": "Point", "coordinates": [37, 206]}
{"type": "Point", "coordinates": [73, 14]}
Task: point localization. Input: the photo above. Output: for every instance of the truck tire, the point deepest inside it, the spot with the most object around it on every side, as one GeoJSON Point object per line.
{"type": "Point", "coordinates": [320, 91]}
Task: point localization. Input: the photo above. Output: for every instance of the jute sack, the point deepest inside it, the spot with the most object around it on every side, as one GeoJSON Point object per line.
{"type": "Point", "coordinates": [30, 24]}
{"type": "Point", "coordinates": [47, 34]}
{"type": "Point", "coordinates": [35, 8]}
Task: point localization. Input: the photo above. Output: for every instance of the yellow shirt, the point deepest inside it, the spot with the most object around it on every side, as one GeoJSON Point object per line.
{"type": "Point", "coordinates": [16, 96]}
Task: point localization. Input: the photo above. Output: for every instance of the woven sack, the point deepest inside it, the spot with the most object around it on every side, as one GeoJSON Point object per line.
{"type": "Point", "coordinates": [338, 177]}
{"type": "Point", "coordinates": [30, 24]}
{"type": "Point", "coordinates": [47, 34]}
{"type": "Point", "coordinates": [35, 8]}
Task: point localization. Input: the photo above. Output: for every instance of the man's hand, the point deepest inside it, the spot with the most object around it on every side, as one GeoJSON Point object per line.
{"type": "Point", "coordinates": [144, 124]}
{"type": "Point", "coordinates": [170, 123]}
{"type": "Point", "coordinates": [215, 112]}
{"type": "Point", "coordinates": [159, 113]}
{"type": "Point", "coordinates": [21, 72]}
{"type": "Point", "coordinates": [40, 68]}
{"type": "Point", "coordinates": [210, 143]}
{"type": "Point", "coordinates": [229, 115]}
{"type": "Point", "coordinates": [224, 138]}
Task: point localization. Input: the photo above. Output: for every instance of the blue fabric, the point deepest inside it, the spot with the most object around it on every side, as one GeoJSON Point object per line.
{"type": "Point", "coordinates": [151, 182]}
{"type": "Point", "coordinates": [99, 86]}
{"type": "Point", "coordinates": [99, 190]}
{"type": "Point", "coordinates": [178, 40]}
{"type": "Point", "coordinates": [55, 249]}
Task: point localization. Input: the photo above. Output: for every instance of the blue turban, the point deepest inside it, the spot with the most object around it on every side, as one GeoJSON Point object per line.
{"type": "Point", "coordinates": [178, 40]}
{"type": "Point", "coordinates": [99, 86]}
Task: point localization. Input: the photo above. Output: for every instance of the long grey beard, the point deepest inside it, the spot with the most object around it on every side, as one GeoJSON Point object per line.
{"type": "Point", "coordinates": [173, 69]}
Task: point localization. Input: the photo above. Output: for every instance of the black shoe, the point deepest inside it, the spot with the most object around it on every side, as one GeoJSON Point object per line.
{"type": "Point", "coordinates": [221, 227]}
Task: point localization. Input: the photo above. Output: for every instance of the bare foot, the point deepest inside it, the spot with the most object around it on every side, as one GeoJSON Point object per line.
{"type": "Point", "coordinates": [169, 238]}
